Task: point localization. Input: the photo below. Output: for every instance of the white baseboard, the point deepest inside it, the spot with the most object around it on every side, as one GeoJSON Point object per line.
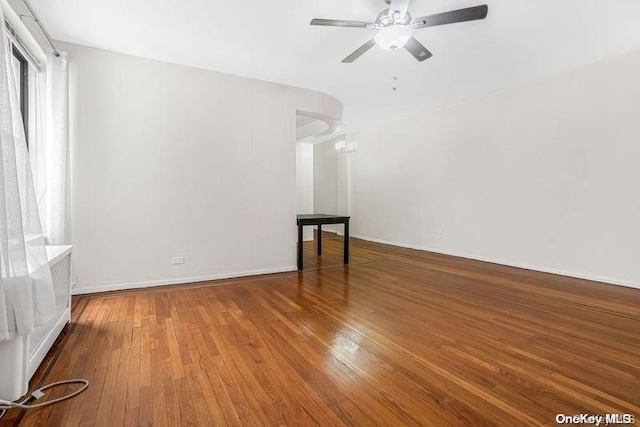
{"type": "Point", "coordinates": [339, 233]}
{"type": "Point", "coordinates": [83, 290]}
{"type": "Point", "coordinates": [595, 278]}
{"type": "Point", "coordinates": [333, 231]}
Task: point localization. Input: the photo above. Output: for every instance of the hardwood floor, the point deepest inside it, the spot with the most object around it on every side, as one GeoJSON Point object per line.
{"type": "Point", "coordinates": [399, 337]}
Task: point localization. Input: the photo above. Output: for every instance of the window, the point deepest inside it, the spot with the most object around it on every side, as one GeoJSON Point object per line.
{"type": "Point", "coordinates": [29, 70]}
{"type": "Point", "coordinates": [21, 73]}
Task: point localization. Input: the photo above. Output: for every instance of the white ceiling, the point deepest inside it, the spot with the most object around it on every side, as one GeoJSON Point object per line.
{"type": "Point", "coordinates": [308, 127]}
{"type": "Point", "coordinates": [520, 40]}
{"type": "Point", "coordinates": [317, 128]}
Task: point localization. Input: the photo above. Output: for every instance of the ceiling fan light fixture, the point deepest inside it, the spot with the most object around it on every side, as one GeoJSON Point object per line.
{"type": "Point", "coordinates": [393, 37]}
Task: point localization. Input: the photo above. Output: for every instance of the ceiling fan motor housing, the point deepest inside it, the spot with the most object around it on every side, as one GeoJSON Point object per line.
{"type": "Point", "coordinates": [384, 20]}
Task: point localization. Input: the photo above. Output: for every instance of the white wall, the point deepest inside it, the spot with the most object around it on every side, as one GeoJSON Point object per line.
{"type": "Point", "coordinates": [304, 184]}
{"type": "Point", "coordinates": [325, 175]}
{"type": "Point", "coordinates": [343, 182]}
{"type": "Point", "coordinates": [173, 161]}
{"type": "Point", "coordinates": [545, 176]}
{"type": "Point", "coordinates": [325, 178]}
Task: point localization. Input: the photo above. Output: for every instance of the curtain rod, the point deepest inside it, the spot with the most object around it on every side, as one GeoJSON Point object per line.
{"type": "Point", "coordinates": [37, 21]}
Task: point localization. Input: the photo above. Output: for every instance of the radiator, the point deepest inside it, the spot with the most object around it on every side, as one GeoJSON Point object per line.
{"type": "Point", "coordinates": [21, 357]}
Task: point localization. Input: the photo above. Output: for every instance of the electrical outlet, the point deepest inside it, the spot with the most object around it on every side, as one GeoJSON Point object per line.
{"type": "Point", "coordinates": [177, 260]}
{"type": "Point", "coordinates": [439, 234]}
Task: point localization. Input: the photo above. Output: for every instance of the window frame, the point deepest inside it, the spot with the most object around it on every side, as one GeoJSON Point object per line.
{"type": "Point", "coordinates": [30, 68]}
{"type": "Point", "coordinates": [23, 89]}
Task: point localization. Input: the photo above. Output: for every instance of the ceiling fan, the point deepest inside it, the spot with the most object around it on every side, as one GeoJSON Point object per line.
{"type": "Point", "coordinates": [395, 27]}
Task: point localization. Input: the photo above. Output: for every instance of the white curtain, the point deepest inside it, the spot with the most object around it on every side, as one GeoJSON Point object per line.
{"type": "Point", "coordinates": [37, 145]}
{"type": "Point", "coordinates": [26, 291]}
{"type": "Point", "coordinates": [58, 224]}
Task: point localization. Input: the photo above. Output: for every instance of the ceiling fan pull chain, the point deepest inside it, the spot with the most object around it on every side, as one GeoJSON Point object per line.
{"type": "Point", "coordinates": [394, 86]}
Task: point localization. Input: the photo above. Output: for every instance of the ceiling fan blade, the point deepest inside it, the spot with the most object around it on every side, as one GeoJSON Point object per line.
{"type": "Point", "coordinates": [400, 6]}
{"type": "Point", "coordinates": [417, 49]}
{"type": "Point", "coordinates": [340, 23]}
{"type": "Point", "coordinates": [362, 49]}
{"type": "Point", "coordinates": [451, 17]}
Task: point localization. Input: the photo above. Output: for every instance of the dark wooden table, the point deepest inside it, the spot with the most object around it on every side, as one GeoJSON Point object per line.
{"type": "Point", "coordinates": [320, 220]}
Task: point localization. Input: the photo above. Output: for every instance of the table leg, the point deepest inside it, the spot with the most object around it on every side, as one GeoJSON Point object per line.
{"type": "Point", "coordinates": [346, 242]}
{"type": "Point", "coordinates": [319, 239]}
{"type": "Point", "coordinates": [300, 240]}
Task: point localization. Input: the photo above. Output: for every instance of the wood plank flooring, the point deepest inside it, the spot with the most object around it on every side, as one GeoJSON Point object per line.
{"type": "Point", "coordinates": [399, 337]}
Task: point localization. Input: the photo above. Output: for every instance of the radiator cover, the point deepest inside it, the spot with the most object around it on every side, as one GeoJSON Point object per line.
{"type": "Point", "coordinates": [20, 357]}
